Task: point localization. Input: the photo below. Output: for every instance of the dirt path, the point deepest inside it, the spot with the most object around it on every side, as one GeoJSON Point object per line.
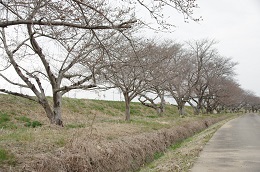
{"type": "Point", "coordinates": [234, 147]}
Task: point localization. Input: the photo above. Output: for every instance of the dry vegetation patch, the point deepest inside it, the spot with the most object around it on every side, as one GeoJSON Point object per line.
{"type": "Point", "coordinates": [93, 139]}
{"type": "Point", "coordinates": [127, 153]}
{"type": "Point", "coordinates": [182, 155]}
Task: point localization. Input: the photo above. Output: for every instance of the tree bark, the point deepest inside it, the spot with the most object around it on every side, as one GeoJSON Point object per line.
{"type": "Point", "coordinates": [162, 105]}
{"type": "Point", "coordinates": [54, 115]}
{"type": "Point", "coordinates": [57, 97]}
{"type": "Point", "coordinates": [181, 109]}
{"type": "Point", "coordinates": [159, 111]}
{"type": "Point", "coordinates": [194, 107]}
{"type": "Point", "coordinates": [127, 107]}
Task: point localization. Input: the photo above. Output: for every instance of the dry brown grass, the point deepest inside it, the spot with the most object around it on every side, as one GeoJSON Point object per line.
{"type": "Point", "coordinates": [182, 155]}
{"type": "Point", "coordinates": [127, 153]}
{"type": "Point", "coordinates": [94, 139]}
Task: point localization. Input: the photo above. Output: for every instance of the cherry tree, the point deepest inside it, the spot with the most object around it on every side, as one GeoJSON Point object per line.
{"type": "Point", "coordinates": [47, 41]}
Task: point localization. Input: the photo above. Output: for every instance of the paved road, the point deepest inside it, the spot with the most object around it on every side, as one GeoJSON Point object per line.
{"type": "Point", "coordinates": [235, 147]}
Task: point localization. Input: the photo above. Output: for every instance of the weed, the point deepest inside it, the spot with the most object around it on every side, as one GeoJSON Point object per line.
{"type": "Point", "coordinates": [110, 137]}
{"type": "Point", "coordinates": [75, 126]}
{"type": "Point", "coordinates": [20, 135]}
{"type": "Point", "coordinates": [4, 118]}
{"type": "Point", "coordinates": [33, 124]}
{"type": "Point", "coordinates": [98, 107]}
{"type": "Point", "coordinates": [75, 105]}
{"type": "Point", "coordinates": [152, 116]}
{"type": "Point", "coordinates": [60, 142]}
{"type": "Point", "coordinates": [135, 111]}
{"type": "Point", "coordinates": [178, 144]}
{"type": "Point", "coordinates": [5, 121]}
{"type": "Point", "coordinates": [149, 124]}
{"type": "Point", "coordinates": [23, 119]}
{"type": "Point", "coordinates": [7, 157]}
{"type": "Point", "coordinates": [157, 155]}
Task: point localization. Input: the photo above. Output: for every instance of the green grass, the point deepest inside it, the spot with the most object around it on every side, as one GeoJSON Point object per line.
{"type": "Point", "coordinates": [5, 121]}
{"type": "Point", "coordinates": [116, 108]}
{"type": "Point", "coordinates": [4, 117]}
{"type": "Point", "coordinates": [75, 126]}
{"type": "Point", "coordinates": [23, 119]}
{"type": "Point", "coordinates": [60, 142]}
{"type": "Point", "coordinates": [7, 157]}
{"type": "Point", "coordinates": [157, 155]}
{"type": "Point", "coordinates": [152, 116]}
{"type": "Point", "coordinates": [75, 105]}
{"type": "Point", "coordinates": [178, 144]}
{"type": "Point", "coordinates": [27, 122]}
{"type": "Point", "coordinates": [19, 135]}
{"type": "Point", "coordinates": [17, 122]}
{"type": "Point", "coordinates": [149, 124]}
{"type": "Point", "coordinates": [33, 124]}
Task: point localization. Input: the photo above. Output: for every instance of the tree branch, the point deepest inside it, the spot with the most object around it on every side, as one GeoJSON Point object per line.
{"type": "Point", "coordinates": [14, 83]}
{"type": "Point", "coordinates": [126, 24]}
{"type": "Point", "coordinates": [19, 94]}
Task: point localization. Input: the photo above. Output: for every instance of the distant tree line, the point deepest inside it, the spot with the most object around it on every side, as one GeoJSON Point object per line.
{"type": "Point", "coordinates": [82, 44]}
{"type": "Point", "coordinates": [192, 73]}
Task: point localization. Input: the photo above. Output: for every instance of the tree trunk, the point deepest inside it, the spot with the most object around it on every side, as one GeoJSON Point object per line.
{"type": "Point", "coordinates": [44, 103]}
{"type": "Point", "coordinates": [161, 108]}
{"type": "Point", "coordinates": [54, 115]}
{"type": "Point", "coordinates": [195, 108]}
{"type": "Point", "coordinates": [57, 109]}
{"type": "Point", "coordinates": [162, 104]}
{"type": "Point", "coordinates": [181, 109]}
{"type": "Point", "coordinates": [159, 111]}
{"type": "Point", "coordinates": [127, 107]}
{"type": "Point", "coordinates": [199, 106]}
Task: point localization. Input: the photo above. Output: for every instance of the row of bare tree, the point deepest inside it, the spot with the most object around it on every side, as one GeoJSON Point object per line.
{"type": "Point", "coordinates": [193, 73]}
{"type": "Point", "coordinates": [82, 44]}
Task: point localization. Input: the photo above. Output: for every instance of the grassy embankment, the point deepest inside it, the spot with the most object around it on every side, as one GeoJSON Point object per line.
{"type": "Point", "coordinates": [95, 135]}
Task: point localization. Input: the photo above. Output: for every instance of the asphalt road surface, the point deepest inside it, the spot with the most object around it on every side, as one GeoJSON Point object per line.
{"type": "Point", "coordinates": [235, 147]}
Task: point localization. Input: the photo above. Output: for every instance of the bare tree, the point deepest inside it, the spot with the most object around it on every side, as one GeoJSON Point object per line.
{"type": "Point", "coordinates": [251, 102]}
{"type": "Point", "coordinates": [127, 71]}
{"type": "Point", "coordinates": [157, 66]}
{"type": "Point", "coordinates": [33, 30]}
{"type": "Point", "coordinates": [210, 68]}
{"type": "Point", "coordinates": [202, 52]}
{"type": "Point", "coordinates": [229, 95]}
{"type": "Point", "coordinates": [181, 78]}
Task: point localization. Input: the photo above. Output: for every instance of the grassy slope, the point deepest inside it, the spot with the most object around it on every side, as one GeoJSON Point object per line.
{"type": "Point", "coordinates": [84, 119]}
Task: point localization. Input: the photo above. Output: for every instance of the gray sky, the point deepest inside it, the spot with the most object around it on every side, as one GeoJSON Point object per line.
{"type": "Point", "coordinates": [235, 24]}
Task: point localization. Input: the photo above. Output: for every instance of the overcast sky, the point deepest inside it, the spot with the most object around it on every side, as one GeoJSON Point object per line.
{"type": "Point", "coordinates": [235, 24]}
